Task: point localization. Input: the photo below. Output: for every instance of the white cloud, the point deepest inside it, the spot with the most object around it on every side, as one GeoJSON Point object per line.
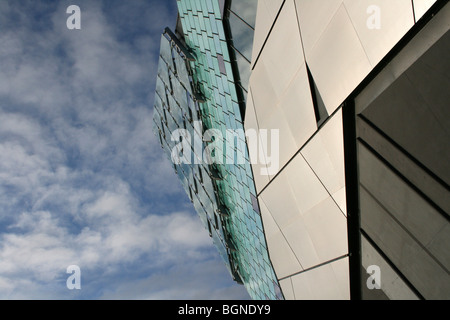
{"type": "Point", "coordinates": [40, 245]}
{"type": "Point", "coordinates": [176, 285]}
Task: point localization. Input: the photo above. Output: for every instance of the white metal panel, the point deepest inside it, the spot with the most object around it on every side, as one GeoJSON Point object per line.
{"type": "Point", "coordinates": [283, 259]}
{"type": "Point", "coordinates": [301, 241]}
{"type": "Point", "coordinates": [280, 200]}
{"type": "Point", "coordinates": [311, 221]}
{"type": "Point", "coordinates": [264, 162]}
{"type": "Point", "coordinates": [314, 17]}
{"type": "Point", "coordinates": [293, 116]}
{"type": "Point", "coordinates": [279, 62]}
{"type": "Point", "coordinates": [298, 108]}
{"type": "Point", "coordinates": [257, 158]}
{"type": "Point", "coordinates": [325, 154]}
{"type": "Point", "coordinates": [340, 197]}
{"type": "Point", "coordinates": [280, 89]}
{"type": "Point", "coordinates": [264, 93]}
{"type": "Point", "coordinates": [283, 51]}
{"type": "Point", "coordinates": [286, 287]}
{"type": "Point", "coordinates": [270, 226]}
{"type": "Point", "coordinates": [266, 13]}
{"type": "Point", "coordinates": [380, 24]}
{"type": "Point", "coordinates": [338, 62]}
{"type": "Point", "coordinates": [328, 282]}
{"type": "Point", "coordinates": [272, 6]}
{"type": "Point", "coordinates": [286, 147]}
{"type": "Point", "coordinates": [421, 7]}
{"type": "Point", "coordinates": [327, 227]}
{"type": "Point", "coordinates": [250, 121]}
{"type": "Point", "coordinates": [270, 147]}
{"type": "Point", "coordinates": [307, 189]}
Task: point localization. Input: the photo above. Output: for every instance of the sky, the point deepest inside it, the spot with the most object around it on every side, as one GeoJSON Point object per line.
{"type": "Point", "coordinates": [83, 180]}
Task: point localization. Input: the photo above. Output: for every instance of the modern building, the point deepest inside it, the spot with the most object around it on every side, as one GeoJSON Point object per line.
{"type": "Point", "coordinates": [357, 205]}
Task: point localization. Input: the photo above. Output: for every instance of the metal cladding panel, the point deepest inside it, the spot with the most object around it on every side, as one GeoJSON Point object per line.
{"type": "Point", "coordinates": [319, 235]}
{"type": "Point", "coordinates": [282, 54]}
{"type": "Point", "coordinates": [325, 155]}
{"type": "Point", "coordinates": [345, 39]}
{"type": "Point", "coordinates": [305, 217]}
{"type": "Point", "coordinates": [257, 158]}
{"type": "Point", "coordinates": [281, 201]}
{"type": "Point", "coordinates": [328, 282]}
{"type": "Point", "coordinates": [280, 88]}
{"type": "Point", "coordinates": [283, 258]}
{"type": "Point", "coordinates": [281, 57]}
{"type": "Point", "coordinates": [380, 24]}
{"type": "Point", "coordinates": [314, 17]}
{"type": "Point", "coordinates": [292, 117]}
{"type": "Point", "coordinates": [392, 285]}
{"type": "Point", "coordinates": [338, 61]}
{"type": "Point", "coordinates": [288, 290]}
{"type": "Point", "coordinates": [312, 224]}
{"type": "Point", "coordinates": [298, 109]}
{"type": "Point", "coordinates": [421, 7]}
{"type": "Point", "coordinates": [265, 17]}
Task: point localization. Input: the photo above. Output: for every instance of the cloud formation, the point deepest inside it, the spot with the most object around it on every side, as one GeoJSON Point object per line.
{"type": "Point", "coordinates": [82, 178]}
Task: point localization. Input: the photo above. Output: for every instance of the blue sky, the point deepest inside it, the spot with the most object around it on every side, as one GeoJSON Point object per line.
{"type": "Point", "coordinates": [83, 180]}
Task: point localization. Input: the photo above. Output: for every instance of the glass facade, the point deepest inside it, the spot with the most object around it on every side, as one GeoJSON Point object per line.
{"type": "Point", "coordinates": [199, 89]}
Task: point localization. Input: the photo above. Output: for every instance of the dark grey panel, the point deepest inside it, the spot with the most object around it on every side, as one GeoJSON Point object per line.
{"type": "Point", "coordinates": [403, 226]}
{"type": "Point", "coordinates": [414, 111]}
{"type": "Point", "coordinates": [373, 294]}
{"type": "Point", "coordinates": [403, 167]}
{"type": "Point", "coordinates": [430, 77]}
{"type": "Point", "coordinates": [376, 270]}
{"type": "Point", "coordinates": [412, 171]}
{"type": "Point", "coordinates": [403, 203]}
